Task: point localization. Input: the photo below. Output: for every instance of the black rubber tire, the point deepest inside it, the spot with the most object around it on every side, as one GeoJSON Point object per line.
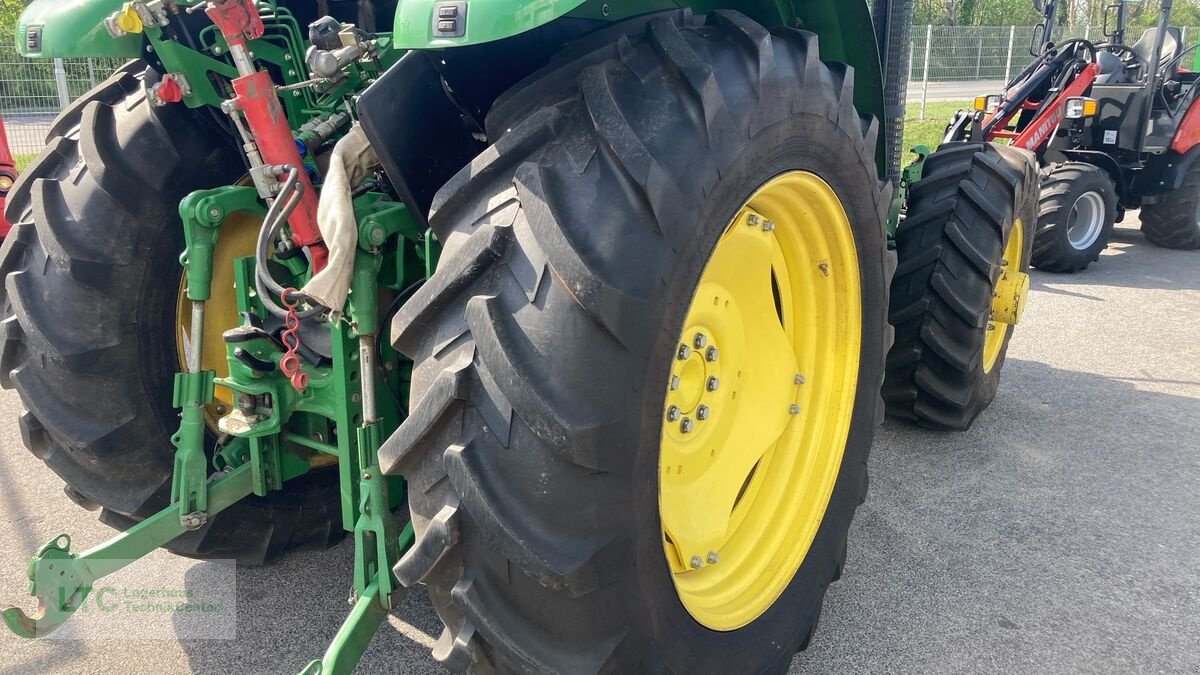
{"type": "Point", "coordinates": [541, 345]}
{"type": "Point", "coordinates": [1063, 185]}
{"type": "Point", "coordinates": [959, 218]}
{"type": "Point", "coordinates": [91, 275]}
{"type": "Point", "coordinates": [1175, 221]}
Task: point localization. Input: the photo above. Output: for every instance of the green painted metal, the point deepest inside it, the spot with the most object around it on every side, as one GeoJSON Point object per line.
{"type": "Point", "coordinates": [909, 175]}
{"type": "Point", "coordinates": [486, 21]}
{"type": "Point", "coordinates": [61, 580]}
{"type": "Point", "coordinates": [74, 29]}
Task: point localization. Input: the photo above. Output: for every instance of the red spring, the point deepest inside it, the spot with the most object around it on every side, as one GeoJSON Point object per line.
{"type": "Point", "coordinates": [290, 362]}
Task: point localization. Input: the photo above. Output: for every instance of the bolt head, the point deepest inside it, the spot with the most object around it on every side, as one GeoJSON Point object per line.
{"type": "Point", "coordinates": [674, 382]}
{"type": "Point", "coordinates": [699, 341]}
{"type": "Point", "coordinates": [799, 379]}
{"type": "Point", "coordinates": [697, 562]}
{"type": "Point", "coordinates": [753, 220]}
{"type": "Point", "coordinates": [712, 384]}
{"type": "Point", "coordinates": [713, 558]}
{"type": "Point", "coordinates": [686, 425]}
{"type": "Point", "coordinates": [672, 414]}
{"type": "Point", "coordinates": [768, 226]}
{"type": "Point", "coordinates": [683, 353]}
{"type": "Point", "coordinates": [793, 409]}
{"type": "Point", "coordinates": [710, 354]}
{"type": "Point", "coordinates": [366, 475]}
{"type": "Point", "coordinates": [214, 213]}
{"type": "Point", "coordinates": [221, 410]}
{"type": "Point", "coordinates": [702, 413]}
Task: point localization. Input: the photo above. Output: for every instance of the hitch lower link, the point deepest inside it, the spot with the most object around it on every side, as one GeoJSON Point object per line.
{"type": "Point", "coordinates": [254, 460]}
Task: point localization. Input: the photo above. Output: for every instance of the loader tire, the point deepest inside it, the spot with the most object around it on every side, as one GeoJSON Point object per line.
{"type": "Point", "coordinates": [1077, 209]}
{"type": "Point", "coordinates": [951, 249]}
{"type": "Point", "coordinates": [91, 276]}
{"type": "Point", "coordinates": [543, 346]}
{"type": "Point", "coordinates": [1175, 221]}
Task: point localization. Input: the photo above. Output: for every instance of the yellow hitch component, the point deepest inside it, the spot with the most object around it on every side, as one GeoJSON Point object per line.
{"type": "Point", "coordinates": [1008, 303]}
{"type": "Point", "coordinates": [1008, 296]}
{"type": "Point", "coordinates": [758, 401]}
{"type": "Point", "coordinates": [127, 19]}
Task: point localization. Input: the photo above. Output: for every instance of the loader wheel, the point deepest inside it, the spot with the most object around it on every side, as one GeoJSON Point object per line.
{"type": "Point", "coordinates": [646, 370]}
{"type": "Point", "coordinates": [961, 284]}
{"type": "Point", "coordinates": [1175, 221]}
{"type": "Point", "coordinates": [1078, 206]}
{"type": "Point", "coordinates": [91, 282]}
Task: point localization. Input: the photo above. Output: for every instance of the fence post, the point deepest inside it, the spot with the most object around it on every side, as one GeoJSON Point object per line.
{"type": "Point", "coordinates": [978, 58]}
{"type": "Point", "coordinates": [91, 74]}
{"type": "Point", "coordinates": [925, 69]}
{"type": "Point", "coordinates": [1012, 32]}
{"type": "Point", "coordinates": [60, 81]}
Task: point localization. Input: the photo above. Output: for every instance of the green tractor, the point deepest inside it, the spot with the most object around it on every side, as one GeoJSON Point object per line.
{"type": "Point", "coordinates": [575, 312]}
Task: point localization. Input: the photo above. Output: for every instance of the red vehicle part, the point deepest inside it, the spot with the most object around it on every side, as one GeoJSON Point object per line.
{"type": "Point", "coordinates": [1187, 136]}
{"type": "Point", "coordinates": [8, 176]}
{"type": "Point", "coordinates": [1038, 130]}
{"type": "Point", "coordinates": [238, 21]}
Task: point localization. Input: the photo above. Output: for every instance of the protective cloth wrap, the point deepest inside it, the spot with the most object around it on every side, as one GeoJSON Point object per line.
{"type": "Point", "coordinates": [352, 160]}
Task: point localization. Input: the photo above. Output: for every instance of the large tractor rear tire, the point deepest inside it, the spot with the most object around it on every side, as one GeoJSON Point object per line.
{"type": "Point", "coordinates": [1175, 221]}
{"type": "Point", "coordinates": [964, 251]}
{"type": "Point", "coordinates": [91, 282]}
{"type": "Point", "coordinates": [662, 272]}
{"type": "Point", "coordinates": [1076, 211]}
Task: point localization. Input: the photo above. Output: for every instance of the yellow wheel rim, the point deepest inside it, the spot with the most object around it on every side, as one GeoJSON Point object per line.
{"type": "Point", "coordinates": [1008, 297]}
{"type": "Point", "coordinates": [759, 401]}
{"type": "Point", "coordinates": [239, 233]}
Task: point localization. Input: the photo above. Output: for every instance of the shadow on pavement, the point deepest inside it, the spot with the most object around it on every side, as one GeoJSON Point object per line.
{"type": "Point", "coordinates": [1057, 535]}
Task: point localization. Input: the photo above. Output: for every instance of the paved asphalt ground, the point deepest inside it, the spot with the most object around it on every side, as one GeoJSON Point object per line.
{"type": "Point", "coordinates": [1061, 534]}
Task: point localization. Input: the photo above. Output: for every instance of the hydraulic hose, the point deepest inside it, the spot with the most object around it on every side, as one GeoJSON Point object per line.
{"type": "Point", "coordinates": [289, 198]}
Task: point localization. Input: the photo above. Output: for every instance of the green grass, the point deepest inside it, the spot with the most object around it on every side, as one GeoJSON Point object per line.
{"type": "Point", "coordinates": [929, 130]}
{"type": "Point", "coordinates": [22, 160]}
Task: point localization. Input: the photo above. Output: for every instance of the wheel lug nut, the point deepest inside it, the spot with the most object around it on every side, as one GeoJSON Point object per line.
{"type": "Point", "coordinates": [684, 352]}
{"type": "Point", "coordinates": [697, 562]}
{"type": "Point", "coordinates": [712, 384]}
{"type": "Point", "coordinates": [686, 425]}
{"type": "Point", "coordinates": [713, 558]}
{"type": "Point", "coordinates": [753, 220]}
{"type": "Point", "coordinates": [672, 414]}
{"type": "Point", "coordinates": [793, 409]}
{"type": "Point", "coordinates": [711, 354]}
{"type": "Point", "coordinates": [799, 379]}
{"type": "Point", "coordinates": [674, 382]}
{"type": "Point", "coordinates": [699, 341]}
{"type": "Point", "coordinates": [702, 413]}
{"type": "Point", "coordinates": [768, 226]}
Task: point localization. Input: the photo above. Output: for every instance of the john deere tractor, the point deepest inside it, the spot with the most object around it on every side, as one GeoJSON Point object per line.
{"type": "Point", "coordinates": [575, 312]}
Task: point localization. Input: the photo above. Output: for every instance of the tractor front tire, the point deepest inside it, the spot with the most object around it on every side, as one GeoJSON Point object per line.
{"type": "Point", "coordinates": [1175, 221]}
{"type": "Point", "coordinates": [953, 247]}
{"type": "Point", "coordinates": [543, 348]}
{"type": "Point", "coordinates": [1077, 209]}
{"type": "Point", "coordinates": [91, 276]}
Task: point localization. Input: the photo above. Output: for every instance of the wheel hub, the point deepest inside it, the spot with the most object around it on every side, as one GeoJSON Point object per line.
{"type": "Point", "coordinates": [1008, 296]}
{"type": "Point", "coordinates": [758, 400]}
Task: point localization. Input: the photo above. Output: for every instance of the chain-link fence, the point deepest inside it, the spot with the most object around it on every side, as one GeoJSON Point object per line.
{"type": "Point", "coordinates": [959, 62]}
{"type": "Point", "coordinates": [33, 91]}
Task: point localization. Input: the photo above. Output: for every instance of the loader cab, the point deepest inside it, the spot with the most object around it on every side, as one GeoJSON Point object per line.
{"type": "Point", "coordinates": [1124, 92]}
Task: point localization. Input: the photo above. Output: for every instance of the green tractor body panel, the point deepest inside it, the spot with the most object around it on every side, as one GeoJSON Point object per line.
{"type": "Point", "coordinates": [57, 29]}
{"type": "Point", "coordinates": [463, 23]}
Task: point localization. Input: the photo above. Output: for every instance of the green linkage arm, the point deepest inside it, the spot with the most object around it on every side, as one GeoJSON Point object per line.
{"type": "Point", "coordinates": [61, 580]}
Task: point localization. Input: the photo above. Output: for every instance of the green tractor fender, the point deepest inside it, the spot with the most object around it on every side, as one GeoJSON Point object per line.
{"type": "Point", "coordinates": [56, 29]}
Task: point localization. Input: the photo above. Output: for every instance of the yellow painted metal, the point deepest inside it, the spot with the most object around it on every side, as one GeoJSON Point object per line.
{"type": "Point", "coordinates": [127, 19]}
{"type": "Point", "coordinates": [759, 400]}
{"type": "Point", "coordinates": [1008, 297]}
{"type": "Point", "coordinates": [239, 233]}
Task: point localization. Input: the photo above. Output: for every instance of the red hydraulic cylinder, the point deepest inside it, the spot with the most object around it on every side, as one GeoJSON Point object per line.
{"type": "Point", "coordinates": [258, 101]}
